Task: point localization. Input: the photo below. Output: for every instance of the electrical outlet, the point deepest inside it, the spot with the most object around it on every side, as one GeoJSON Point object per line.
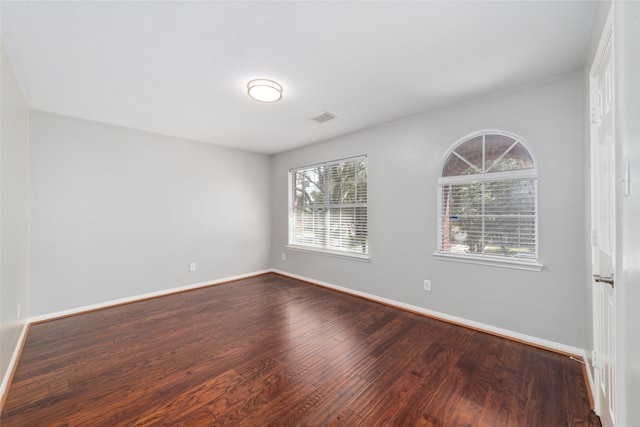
{"type": "Point", "coordinates": [284, 257]}
{"type": "Point", "coordinates": [192, 266]}
{"type": "Point", "coordinates": [427, 285]}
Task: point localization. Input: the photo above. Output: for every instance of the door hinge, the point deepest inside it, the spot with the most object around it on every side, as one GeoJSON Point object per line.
{"type": "Point", "coordinates": [595, 360]}
{"type": "Point", "coordinates": [594, 237]}
{"type": "Point", "coordinates": [592, 115]}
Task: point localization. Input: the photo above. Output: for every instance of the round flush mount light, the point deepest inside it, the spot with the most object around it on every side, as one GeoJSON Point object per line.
{"type": "Point", "coordinates": [264, 90]}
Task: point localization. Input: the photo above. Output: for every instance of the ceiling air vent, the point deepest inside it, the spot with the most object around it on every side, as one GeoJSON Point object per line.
{"type": "Point", "coordinates": [324, 117]}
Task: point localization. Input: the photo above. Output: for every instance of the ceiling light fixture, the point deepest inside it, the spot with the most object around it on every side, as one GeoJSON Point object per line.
{"type": "Point", "coordinates": [264, 90]}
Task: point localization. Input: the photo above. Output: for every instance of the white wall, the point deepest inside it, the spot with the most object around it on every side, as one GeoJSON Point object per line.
{"type": "Point", "coordinates": [14, 182]}
{"type": "Point", "coordinates": [627, 54]}
{"type": "Point", "coordinates": [404, 161]}
{"type": "Point", "coordinates": [117, 212]}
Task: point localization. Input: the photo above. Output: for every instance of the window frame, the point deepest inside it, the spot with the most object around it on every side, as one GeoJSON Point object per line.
{"type": "Point", "coordinates": [360, 256]}
{"type": "Point", "coordinates": [484, 177]}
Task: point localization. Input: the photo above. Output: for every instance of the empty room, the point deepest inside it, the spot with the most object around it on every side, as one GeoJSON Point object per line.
{"type": "Point", "coordinates": [319, 213]}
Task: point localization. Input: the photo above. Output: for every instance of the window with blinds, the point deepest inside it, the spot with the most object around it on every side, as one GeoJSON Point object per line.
{"type": "Point", "coordinates": [487, 200]}
{"type": "Point", "coordinates": [328, 207]}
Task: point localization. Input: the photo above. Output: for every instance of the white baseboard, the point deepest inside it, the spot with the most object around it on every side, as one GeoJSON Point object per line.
{"type": "Point", "coordinates": [527, 339]}
{"type": "Point", "coordinates": [13, 364]}
{"type": "Point", "coordinates": [78, 310]}
{"type": "Point", "coordinates": [535, 341]}
{"type": "Point", "coordinates": [592, 384]}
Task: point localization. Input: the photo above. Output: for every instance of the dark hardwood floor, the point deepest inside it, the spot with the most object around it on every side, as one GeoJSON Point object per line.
{"type": "Point", "coordinates": [270, 350]}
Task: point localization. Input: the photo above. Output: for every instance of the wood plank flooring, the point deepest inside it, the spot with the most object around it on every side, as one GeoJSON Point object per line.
{"type": "Point", "coordinates": [273, 351]}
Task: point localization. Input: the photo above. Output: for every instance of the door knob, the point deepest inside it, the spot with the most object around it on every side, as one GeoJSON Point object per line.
{"type": "Point", "coordinates": [603, 279]}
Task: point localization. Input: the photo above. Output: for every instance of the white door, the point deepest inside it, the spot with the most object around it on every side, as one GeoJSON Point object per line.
{"type": "Point", "coordinates": [603, 196]}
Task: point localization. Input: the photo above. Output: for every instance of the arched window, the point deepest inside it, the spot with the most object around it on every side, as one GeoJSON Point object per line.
{"type": "Point", "coordinates": [487, 202]}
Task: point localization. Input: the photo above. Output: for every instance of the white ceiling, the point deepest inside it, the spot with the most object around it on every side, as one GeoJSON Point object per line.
{"type": "Point", "coordinates": [181, 68]}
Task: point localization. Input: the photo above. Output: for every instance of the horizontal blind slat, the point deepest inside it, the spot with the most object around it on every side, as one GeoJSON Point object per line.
{"type": "Point", "coordinates": [329, 206]}
{"type": "Point", "coordinates": [496, 218]}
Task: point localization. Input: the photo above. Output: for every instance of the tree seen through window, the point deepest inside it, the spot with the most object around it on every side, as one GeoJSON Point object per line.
{"type": "Point", "coordinates": [487, 199]}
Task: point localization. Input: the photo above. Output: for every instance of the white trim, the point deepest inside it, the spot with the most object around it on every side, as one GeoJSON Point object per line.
{"type": "Point", "coordinates": [606, 39]}
{"type": "Point", "coordinates": [587, 365]}
{"type": "Point", "coordinates": [340, 254]}
{"type": "Point", "coordinates": [13, 363]}
{"type": "Point", "coordinates": [140, 297]}
{"type": "Point", "coordinates": [490, 176]}
{"type": "Point", "coordinates": [512, 135]}
{"type": "Point", "coordinates": [490, 261]}
{"type": "Point", "coordinates": [331, 162]}
{"type": "Point", "coordinates": [528, 339]}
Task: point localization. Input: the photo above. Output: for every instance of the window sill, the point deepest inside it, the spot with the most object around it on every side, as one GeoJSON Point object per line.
{"type": "Point", "coordinates": [328, 252]}
{"type": "Point", "coordinates": [490, 261]}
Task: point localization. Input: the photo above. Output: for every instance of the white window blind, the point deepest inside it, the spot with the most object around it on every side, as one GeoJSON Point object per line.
{"type": "Point", "coordinates": [495, 218]}
{"type": "Point", "coordinates": [328, 206]}
{"type": "Point", "coordinates": [487, 200]}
